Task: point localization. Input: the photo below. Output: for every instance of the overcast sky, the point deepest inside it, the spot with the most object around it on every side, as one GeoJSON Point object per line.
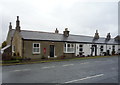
{"type": "Point", "coordinates": [81, 17]}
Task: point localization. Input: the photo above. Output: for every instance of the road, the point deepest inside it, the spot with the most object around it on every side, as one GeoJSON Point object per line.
{"type": "Point", "coordinates": [98, 70]}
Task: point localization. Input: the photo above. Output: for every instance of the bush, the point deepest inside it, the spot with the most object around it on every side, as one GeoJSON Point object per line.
{"type": "Point", "coordinates": [6, 56]}
{"type": "Point", "coordinates": [4, 44]}
{"type": "Point", "coordinates": [19, 58]}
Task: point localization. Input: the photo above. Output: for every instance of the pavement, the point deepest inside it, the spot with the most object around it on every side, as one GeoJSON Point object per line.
{"type": "Point", "coordinates": [97, 70]}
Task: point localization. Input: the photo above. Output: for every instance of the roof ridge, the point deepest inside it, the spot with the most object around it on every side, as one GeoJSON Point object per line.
{"type": "Point", "coordinates": [40, 31]}
{"type": "Point", "coordinates": [60, 33]}
{"type": "Point", "coordinates": [54, 33]}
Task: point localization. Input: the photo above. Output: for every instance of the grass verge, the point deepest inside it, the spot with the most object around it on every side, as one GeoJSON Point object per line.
{"type": "Point", "coordinates": [6, 63]}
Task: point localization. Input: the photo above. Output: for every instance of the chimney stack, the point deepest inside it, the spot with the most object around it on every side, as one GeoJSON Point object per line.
{"type": "Point", "coordinates": [108, 37]}
{"type": "Point", "coordinates": [10, 26]}
{"type": "Point", "coordinates": [66, 32]}
{"type": "Point", "coordinates": [96, 35]}
{"type": "Point", "coordinates": [17, 24]}
{"type": "Point", "coordinates": [56, 31]}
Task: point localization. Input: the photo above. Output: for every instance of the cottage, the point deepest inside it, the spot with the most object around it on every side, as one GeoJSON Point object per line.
{"type": "Point", "coordinates": [35, 44]}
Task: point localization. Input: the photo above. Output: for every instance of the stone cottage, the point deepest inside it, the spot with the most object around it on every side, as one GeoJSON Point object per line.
{"type": "Point", "coordinates": [35, 44]}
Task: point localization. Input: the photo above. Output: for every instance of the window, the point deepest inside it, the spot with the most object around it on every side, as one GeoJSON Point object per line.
{"type": "Point", "coordinates": [101, 48]}
{"type": "Point", "coordinates": [13, 48]}
{"type": "Point", "coordinates": [80, 48]}
{"type": "Point", "coordinates": [80, 45]}
{"type": "Point", "coordinates": [69, 48]}
{"type": "Point", "coordinates": [113, 47]}
{"type": "Point", "coordinates": [36, 48]}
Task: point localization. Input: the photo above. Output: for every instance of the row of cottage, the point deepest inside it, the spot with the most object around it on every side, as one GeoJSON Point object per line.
{"type": "Point", "coordinates": [35, 44]}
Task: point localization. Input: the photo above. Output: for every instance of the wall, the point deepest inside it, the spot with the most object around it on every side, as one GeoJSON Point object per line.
{"type": "Point", "coordinates": [28, 47]}
{"type": "Point", "coordinates": [17, 42]}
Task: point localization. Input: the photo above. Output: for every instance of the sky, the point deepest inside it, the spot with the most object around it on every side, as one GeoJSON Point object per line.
{"type": "Point", "coordinates": [81, 17]}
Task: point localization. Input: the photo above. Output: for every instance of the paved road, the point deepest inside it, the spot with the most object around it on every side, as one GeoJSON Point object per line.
{"type": "Point", "coordinates": [99, 70]}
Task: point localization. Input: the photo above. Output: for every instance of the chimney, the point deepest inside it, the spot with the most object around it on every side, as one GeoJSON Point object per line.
{"type": "Point", "coordinates": [17, 24]}
{"type": "Point", "coordinates": [10, 26]}
{"type": "Point", "coordinates": [96, 35]}
{"type": "Point", "coordinates": [56, 31]}
{"type": "Point", "coordinates": [108, 37]}
{"type": "Point", "coordinates": [66, 32]}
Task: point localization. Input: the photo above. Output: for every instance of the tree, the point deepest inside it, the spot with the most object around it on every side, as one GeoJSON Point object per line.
{"type": "Point", "coordinates": [4, 44]}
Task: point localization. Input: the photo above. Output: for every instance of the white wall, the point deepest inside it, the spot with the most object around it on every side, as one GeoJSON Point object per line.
{"type": "Point", "coordinates": [87, 49]}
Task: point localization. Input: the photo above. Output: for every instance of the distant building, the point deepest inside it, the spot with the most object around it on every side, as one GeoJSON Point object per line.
{"type": "Point", "coordinates": [35, 44]}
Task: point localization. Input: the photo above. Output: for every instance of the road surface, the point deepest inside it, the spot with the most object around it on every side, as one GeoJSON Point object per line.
{"type": "Point", "coordinates": [98, 70]}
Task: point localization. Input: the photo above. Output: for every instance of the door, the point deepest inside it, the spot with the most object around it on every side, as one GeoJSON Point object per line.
{"type": "Point", "coordinates": [51, 50]}
{"type": "Point", "coordinates": [108, 52]}
{"type": "Point", "coordinates": [94, 50]}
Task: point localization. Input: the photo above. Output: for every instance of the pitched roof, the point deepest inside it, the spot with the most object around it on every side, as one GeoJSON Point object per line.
{"type": "Point", "coordinates": [38, 35]}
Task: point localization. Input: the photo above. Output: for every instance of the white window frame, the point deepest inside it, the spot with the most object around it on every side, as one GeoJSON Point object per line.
{"type": "Point", "coordinates": [35, 47]}
{"type": "Point", "coordinates": [66, 48]}
{"type": "Point", "coordinates": [13, 48]}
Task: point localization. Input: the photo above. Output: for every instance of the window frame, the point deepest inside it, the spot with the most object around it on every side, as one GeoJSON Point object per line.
{"type": "Point", "coordinates": [35, 47]}
{"type": "Point", "coordinates": [13, 48]}
{"type": "Point", "coordinates": [72, 46]}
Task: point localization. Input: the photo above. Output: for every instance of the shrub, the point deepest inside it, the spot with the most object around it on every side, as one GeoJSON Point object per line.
{"type": "Point", "coordinates": [6, 56]}
{"type": "Point", "coordinates": [4, 44]}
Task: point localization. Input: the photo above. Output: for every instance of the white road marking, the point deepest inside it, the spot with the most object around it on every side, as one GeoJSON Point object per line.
{"type": "Point", "coordinates": [84, 63]}
{"type": "Point", "coordinates": [48, 67]}
{"type": "Point", "coordinates": [84, 78]}
{"type": "Point", "coordinates": [16, 70]}
{"type": "Point", "coordinates": [68, 65]}
{"type": "Point", "coordinates": [20, 70]}
{"type": "Point", "coordinates": [26, 69]}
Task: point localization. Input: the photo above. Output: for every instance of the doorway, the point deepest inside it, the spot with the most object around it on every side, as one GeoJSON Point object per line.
{"type": "Point", "coordinates": [52, 49]}
{"type": "Point", "coordinates": [94, 50]}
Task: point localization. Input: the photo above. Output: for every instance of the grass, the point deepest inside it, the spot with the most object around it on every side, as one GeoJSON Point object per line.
{"type": "Point", "coordinates": [17, 62]}
{"type": "Point", "coordinates": [11, 61]}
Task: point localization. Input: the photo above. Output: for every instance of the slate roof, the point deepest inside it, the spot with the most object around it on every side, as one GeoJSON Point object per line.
{"type": "Point", "coordinates": [47, 36]}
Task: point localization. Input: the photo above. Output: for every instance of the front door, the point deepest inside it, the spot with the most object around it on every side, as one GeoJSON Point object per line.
{"type": "Point", "coordinates": [94, 50]}
{"type": "Point", "coordinates": [108, 52]}
{"type": "Point", "coordinates": [51, 50]}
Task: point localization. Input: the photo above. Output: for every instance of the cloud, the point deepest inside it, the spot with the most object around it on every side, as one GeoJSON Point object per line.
{"type": "Point", "coordinates": [81, 17]}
